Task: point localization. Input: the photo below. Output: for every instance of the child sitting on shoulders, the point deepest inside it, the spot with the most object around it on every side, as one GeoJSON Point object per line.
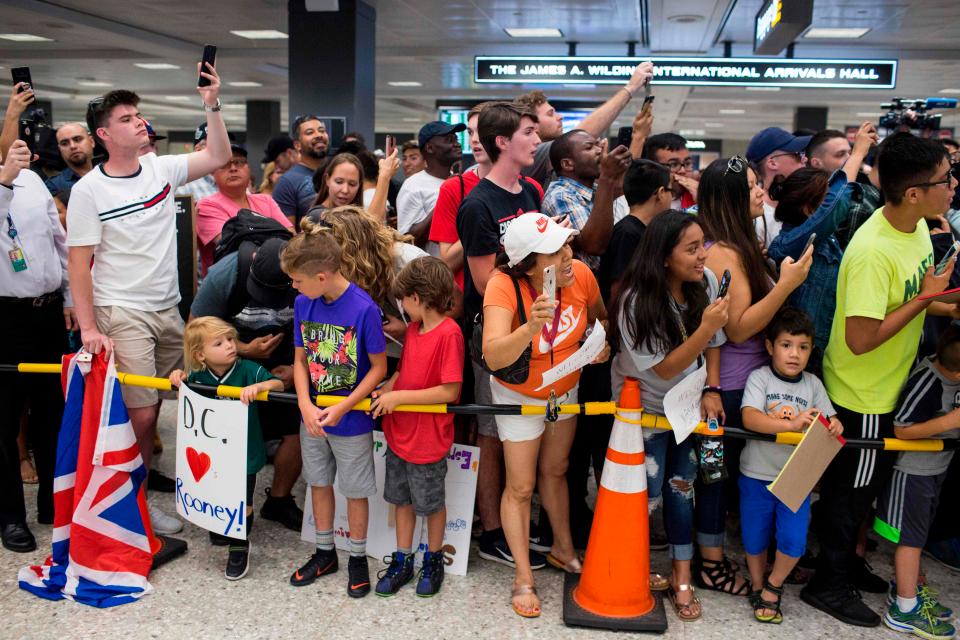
{"type": "Point", "coordinates": [430, 372]}
{"type": "Point", "coordinates": [778, 398]}
{"type": "Point", "coordinates": [210, 356]}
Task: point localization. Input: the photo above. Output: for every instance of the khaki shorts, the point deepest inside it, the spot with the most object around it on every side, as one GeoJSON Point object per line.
{"type": "Point", "coordinates": [146, 343]}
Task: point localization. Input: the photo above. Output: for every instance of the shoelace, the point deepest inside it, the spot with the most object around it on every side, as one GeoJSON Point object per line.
{"type": "Point", "coordinates": [926, 610]}
{"type": "Point", "coordinates": [427, 569]}
{"type": "Point", "coordinates": [392, 569]}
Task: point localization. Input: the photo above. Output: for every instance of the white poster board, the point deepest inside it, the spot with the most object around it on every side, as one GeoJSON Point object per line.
{"type": "Point", "coordinates": [681, 404]}
{"type": "Point", "coordinates": [461, 489]}
{"type": "Point", "coordinates": [212, 463]}
{"type": "Point", "coordinates": [586, 354]}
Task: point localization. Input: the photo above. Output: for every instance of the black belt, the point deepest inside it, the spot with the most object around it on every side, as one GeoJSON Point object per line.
{"type": "Point", "coordinates": [39, 301]}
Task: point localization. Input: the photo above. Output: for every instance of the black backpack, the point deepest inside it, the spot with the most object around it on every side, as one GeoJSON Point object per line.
{"type": "Point", "coordinates": [247, 226]}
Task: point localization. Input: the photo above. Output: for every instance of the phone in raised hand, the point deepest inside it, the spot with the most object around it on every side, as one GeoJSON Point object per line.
{"type": "Point", "coordinates": [209, 57]}
{"type": "Point", "coordinates": [390, 145]}
{"type": "Point", "coordinates": [942, 265]}
{"type": "Point", "coordinates": [810, 241]}
{"type": "Point", "coordinates": [724, 284]}
{"type": "Point", "coordinates": [22, 74]}
{"type": "Point", "coordinates": [647, 103]}
{"type": "Point", "coordinates": [550, 282]}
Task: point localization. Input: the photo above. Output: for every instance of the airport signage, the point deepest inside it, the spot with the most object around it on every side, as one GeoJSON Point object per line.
{"type": "Point", "coordinates": [690, 71]}
{"type": "Point", "coordinates": [778, 23]}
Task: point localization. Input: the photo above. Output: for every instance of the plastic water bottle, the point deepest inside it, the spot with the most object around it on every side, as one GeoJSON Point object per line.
{"type": "Point", "coordinates": [712, 465]}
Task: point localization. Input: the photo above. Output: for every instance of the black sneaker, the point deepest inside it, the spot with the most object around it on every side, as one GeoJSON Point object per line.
{"type": "Point", "coordinates": [238, 561]}
{"type": "Point", "coordinates": [283, 510]}
{"type": "Point", "coordinates": [843, 603]}
{"type": "Point", "coordinates": [541, 538]}
{"type": "Point", "coordinates": [864, 579]}
{"type": "Point", "coordinates": [358, 584]}
{"type": "Point", "coordinates": [497, 550]}
{"type": "Point", "coordinates": [431, 574]}
{"type": "Point", "coordinates": [398, 573]}
{"type": "Point", "coordinates": [320, 564]}
{"type": "Point", "coordinates": [219, 540]}
{"type": "Point", "coordinates": [156, 481]}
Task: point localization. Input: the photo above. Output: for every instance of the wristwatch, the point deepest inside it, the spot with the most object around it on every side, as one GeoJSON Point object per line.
{"type": "Point", "coordinates": [215, 107]}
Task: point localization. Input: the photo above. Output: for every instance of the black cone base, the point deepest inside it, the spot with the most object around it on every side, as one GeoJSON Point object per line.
{"type": "Point", "coordinates": [170, 549]}
{"type": "Point", "coordinates": [575, 616]}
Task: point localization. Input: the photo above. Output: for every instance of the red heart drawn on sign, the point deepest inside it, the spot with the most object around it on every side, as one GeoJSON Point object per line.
{"type": "Point", "coordinates": [199, 463]}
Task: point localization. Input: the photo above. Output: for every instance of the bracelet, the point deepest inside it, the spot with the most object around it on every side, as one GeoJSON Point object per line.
{"type": "Point", "coordinates": [214, 108]}
{"type": "Point", "coordinates": [629, 93]}
{"type": "Point", "coordinates": [710, 389]}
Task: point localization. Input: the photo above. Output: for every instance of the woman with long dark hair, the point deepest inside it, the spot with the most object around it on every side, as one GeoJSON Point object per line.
{"type": "Point", "coordinates": [756, 294]}
{"type": "Point", "coordinates": [669, 325]}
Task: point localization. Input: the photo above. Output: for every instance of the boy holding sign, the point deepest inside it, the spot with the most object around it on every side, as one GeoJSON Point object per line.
{"type": "Point", "coordinates": [210, 355]}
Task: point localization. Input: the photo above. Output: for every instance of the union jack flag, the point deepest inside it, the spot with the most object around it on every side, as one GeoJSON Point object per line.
{"type": "Point", "coordinates": [101, 550]}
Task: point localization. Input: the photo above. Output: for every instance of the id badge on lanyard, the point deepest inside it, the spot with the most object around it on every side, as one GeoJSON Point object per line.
{"type": "Point", "coordinates": [17, 260]}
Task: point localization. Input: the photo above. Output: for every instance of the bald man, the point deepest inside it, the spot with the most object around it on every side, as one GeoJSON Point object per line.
{"type": "Point", "coordinates": [76, 149]}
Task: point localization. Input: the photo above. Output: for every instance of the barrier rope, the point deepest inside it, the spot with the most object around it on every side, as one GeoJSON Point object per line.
{"type": "Point", "coordinates": [646, 420]}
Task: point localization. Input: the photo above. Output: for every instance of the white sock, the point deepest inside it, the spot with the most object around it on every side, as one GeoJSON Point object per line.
{"type": "Point", "coordinates": [906, 604]}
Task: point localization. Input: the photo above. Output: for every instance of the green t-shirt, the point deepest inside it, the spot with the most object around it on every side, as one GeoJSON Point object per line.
{"type": "Point", "coordinates": [242, 374]}
{"type": "Point", "coordinates": [882, 269]}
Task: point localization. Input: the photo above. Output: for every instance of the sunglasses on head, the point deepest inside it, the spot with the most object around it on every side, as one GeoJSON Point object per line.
{"type": "Point", "coordinates": [736, 164]}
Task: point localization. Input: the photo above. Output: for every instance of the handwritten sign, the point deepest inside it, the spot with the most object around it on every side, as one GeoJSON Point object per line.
{"type": "Point", "coordinates": [461, 488]}
{"type": "Point", "coordinates": [681, 404]}
{"type": "Point", "coordinates": [587, 352]}
{"type": "Point", "coordinates": [212, 463]}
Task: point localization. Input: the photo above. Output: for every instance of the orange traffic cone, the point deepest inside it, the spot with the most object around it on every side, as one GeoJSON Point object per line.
{"type": "Point", "coordinates": [613, 592]}
{"type": "Point", "coordinates": [163, 548]}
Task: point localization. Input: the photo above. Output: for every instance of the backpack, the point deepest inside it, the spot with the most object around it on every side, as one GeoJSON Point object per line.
{"type": "Point", "coordinates": [247, 226]}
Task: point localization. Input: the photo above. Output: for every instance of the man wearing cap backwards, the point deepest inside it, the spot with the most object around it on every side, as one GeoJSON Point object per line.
{"type": "Point", "coordinates": [76, 149]}
{"type": "Point", "coordinates": [777, 153]}
{"type": "Point", "coordinates": [282, 152]}
{"type": "Point", "coordinates": [204, 185]}
{"type": "Point", "coordinates": [418, 195]}
{"type": "Point", "coordinates": [233, 180]}
{"type": "Point", "coordinates": [123, 210]}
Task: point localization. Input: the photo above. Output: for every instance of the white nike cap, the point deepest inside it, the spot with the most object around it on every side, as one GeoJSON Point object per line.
{"type": "Point", "coordinates": [533, 233]}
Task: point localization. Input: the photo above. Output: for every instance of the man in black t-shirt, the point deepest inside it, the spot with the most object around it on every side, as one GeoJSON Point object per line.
{"type": "Point", "coordinates": [646, 187]}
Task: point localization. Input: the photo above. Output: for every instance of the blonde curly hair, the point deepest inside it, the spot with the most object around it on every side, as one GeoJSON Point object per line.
{"type": "Point", "coordinates": [366, 249]}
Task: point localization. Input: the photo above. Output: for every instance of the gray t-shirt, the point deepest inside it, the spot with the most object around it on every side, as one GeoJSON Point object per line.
{"type": "Point", "coordinates": [778, 397]}
{"type": "Point", "coordinates": [639, 363]}
{"type": "Point", "coordinates": [927, 395]}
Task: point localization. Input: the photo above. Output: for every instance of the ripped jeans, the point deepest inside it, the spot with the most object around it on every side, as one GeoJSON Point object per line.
{"type": "Point", "coordinates": [673, 465]}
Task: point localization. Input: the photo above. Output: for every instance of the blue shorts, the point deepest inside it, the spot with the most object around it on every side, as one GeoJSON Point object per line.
{"type": "Point", "coordinates": [761, 511]}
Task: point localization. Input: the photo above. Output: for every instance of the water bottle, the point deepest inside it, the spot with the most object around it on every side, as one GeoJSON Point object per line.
{"type": "Point", "coordinates": [712, 466]}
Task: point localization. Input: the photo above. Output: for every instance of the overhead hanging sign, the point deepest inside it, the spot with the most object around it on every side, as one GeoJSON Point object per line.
{"type": "Point", "coordinates": [710, 72]}
{"type": "Point", "coordinates": [778, 23]}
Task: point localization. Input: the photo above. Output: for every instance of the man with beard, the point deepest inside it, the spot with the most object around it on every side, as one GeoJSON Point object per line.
{"type": "Point", "coordinates": [418, 195]}
{"type": "Point", "coordinates": [294, 191]}
{"type": "Point", "coordinates": [76, 149]}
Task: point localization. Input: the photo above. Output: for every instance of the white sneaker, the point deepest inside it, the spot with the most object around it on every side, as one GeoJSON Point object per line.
{"type": "Point", "coordinates": [162, 523]}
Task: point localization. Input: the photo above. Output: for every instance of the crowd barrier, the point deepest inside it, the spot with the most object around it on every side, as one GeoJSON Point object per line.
{"type": "Point", "coordinates": [583, 408]}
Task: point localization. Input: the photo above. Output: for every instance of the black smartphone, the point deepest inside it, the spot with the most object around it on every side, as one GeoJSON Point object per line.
{"type": "Point", "coordinates": [647, 103]}
{"type": "Point", "coordinates": [28, 133]}
{"type": "Point", "coordinates": [810, 241]}
{"type": "Point", "coordinates": [942, 265]}
{"type": "Point", "coordinates": [724, 284]}
{"type": "Point", "coordinates": [391, 144]}
{"type": "Point", "coordinates": [209, 56]}
{"type": "Point", "coordinates": [22, 74]}
{"type": "Point", "coordinates": [624, 137]}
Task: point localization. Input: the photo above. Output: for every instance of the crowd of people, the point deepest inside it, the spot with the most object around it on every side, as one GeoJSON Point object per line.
{"type": "Point", "coordinates": [468, 285]}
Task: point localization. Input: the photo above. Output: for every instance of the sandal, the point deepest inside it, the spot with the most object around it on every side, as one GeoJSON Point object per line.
{"type": "Point", "coordinates": [573, 565]}
{"type": "Point", "coordinates": [28, 473]}
{"type": "Point", "coordinates": [689, 611]}
{"type": "Point", "coordinates": [658, 582]}
{"type": "Point", "coordinates": [525, 590]}
{"type": "Point", "coordinates": [723, 577]}
{"type": "Point", "coordinates": [760, 604]}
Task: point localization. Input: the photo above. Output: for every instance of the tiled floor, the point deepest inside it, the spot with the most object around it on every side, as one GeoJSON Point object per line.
{"type": "Point", "coordinates": [193, 600]}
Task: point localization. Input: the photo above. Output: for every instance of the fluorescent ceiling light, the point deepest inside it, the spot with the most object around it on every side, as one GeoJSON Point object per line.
{"type": "Point", "coordinates": [836, 32]}
{"type": "Point", "coordinates": [411, 119]}
{"type": "Point", "coordinates": [534, 32]}
{"type": "Point", "coordinates": [261, 34]}
{"type": "Point", "coordinates": [245, 83]}
{"type": "Point", "coordinates": [950, 92]}
{"type": "Point", "coordinates": [94, 83]}
{"type": "Point", "coordinates": [155, 66]}
{"type": "Point", "coordinates": [763, 88]}
{"type": "Point", "coordinates": [732, 112]}
{"type": "Point", "coordinates": [713, 125]}
{"type": "Point", "coordinates": [24, 37]}
{"type": "Point", "coordinates": [867, 114]}
{"type": "Point", "coordinates": [405, 83]}
{"type": "Point", "coordinates": [233, 105]}
{"type": "Point", "coordinates": [178, 98]}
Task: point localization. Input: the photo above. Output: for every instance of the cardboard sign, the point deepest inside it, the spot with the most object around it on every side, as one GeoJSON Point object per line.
{"type": "Point", "coordinates": [806, 464]}
{"type": "Point", "coordinates": [461, 489]}
{"type": "Point", "coordinates": [212, 463]}
{"type": "Point", "coordinates": [681, 404]}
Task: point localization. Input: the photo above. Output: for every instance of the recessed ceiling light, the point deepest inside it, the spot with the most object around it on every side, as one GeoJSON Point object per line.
{"type": "Point", "coordinates": [405, 83]}
{"type": "Point", "coordinates": [94, 83]}
{"type": "Point", "coordinates": [24, 37]}
{"type": "Point", "coordinates": [155, 66]}
{"type": "Point", "coordinates": [763, 88]}
{"type": "Point", "coordinates": [178, 98]}
{"type": "Point", "coordinates": [732, 112]}
{"type": "Point", "coordinates": [950, 92]}
{"type": "Point", "coordinates": [245, 83]}
{"type": "Point", "coordinates": [534, 32]}
{"type": "Point", "coordinates": [685, 18]}
{"type": "Point", "coordinates": [261, 34]}
{"type": "Point", "coordinates": [836, 32]}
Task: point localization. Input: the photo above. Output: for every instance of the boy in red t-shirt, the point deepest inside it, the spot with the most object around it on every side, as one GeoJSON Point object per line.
{"type": "Point", "coordinates": [430, 372]}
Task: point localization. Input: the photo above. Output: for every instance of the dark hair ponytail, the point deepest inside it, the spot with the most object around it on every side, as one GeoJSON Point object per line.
{"type": "Point", "coordinates": [799, 194]}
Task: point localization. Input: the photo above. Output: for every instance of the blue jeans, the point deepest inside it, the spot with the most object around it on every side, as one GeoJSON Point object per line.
{"type": "Point", "coordinates": [678, 462]}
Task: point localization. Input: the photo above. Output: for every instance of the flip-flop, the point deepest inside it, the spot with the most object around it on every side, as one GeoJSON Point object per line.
{"type": "Point", "coordinates": [524, 590]}
{"type": "Point", "coordinates": [31, 478]}
{"type": "Point", "coordinates": [574, 565]}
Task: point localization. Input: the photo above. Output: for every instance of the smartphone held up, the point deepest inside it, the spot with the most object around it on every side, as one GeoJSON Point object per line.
{"type": "Point", "coordinates": [209, 57]}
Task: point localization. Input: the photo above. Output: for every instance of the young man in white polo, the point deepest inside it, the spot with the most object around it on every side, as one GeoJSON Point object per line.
{"type": "Point", "coordinates": [122, 250]}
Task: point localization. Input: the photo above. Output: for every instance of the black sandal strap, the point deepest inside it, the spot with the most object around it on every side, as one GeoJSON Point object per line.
{"type": "Point", "coordinates": [722, 577]}
{"type": "Point", "coordinates": [772, 589]}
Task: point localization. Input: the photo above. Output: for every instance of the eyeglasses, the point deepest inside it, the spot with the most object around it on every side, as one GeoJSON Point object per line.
{"type": "Point", "coordinates": [676, 165]}
{"type": "Point", "coordinates": [736, 164]}
{"type": "Point", "coordinates": [798, 155]}
{"type": "Point", "coordinates": [951, 176]}
{"type": "Point", "coordinates": [299, 120]}
{"type": "Point", "coordinates": [236, 162]}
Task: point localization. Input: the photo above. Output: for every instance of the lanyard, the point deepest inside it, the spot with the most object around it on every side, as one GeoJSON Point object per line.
{"type": "Point", "coordinates": [12, 231]}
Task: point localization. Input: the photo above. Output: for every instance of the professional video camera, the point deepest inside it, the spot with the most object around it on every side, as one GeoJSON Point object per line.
{"type": "Point", "coordinates": [41, 139]}
{"type": "Point", "coordinates": [913, 113]}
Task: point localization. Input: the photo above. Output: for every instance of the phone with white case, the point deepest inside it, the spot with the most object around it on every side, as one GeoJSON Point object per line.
{"type": "Point", "coordinates": [550, 282]}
